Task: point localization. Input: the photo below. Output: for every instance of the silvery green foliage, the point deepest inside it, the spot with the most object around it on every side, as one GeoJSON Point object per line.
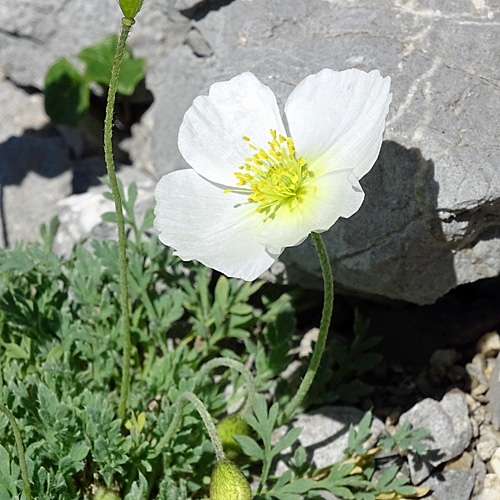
{"type": "Point", "coordinates": [60, 366]}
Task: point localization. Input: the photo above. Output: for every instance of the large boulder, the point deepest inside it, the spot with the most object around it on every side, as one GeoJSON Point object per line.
{"type": "Point", "coordinates": [430, 220]}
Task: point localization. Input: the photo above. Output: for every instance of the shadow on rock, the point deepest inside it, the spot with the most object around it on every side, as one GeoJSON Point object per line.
{"type": "Point", "coordinates": [394, 246]}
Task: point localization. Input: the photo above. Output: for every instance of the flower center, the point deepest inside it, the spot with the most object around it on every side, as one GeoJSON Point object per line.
{"type": "Point", "coordinates": [274, 177]}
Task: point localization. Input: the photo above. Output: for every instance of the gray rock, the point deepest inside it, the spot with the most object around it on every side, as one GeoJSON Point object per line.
{"type": "Point", "coordinates": [80, 214]}
{"type": "Point", "coordinates": [324, 435]}
{"type": "Point", "coordinates": [479, 469]}
{"type": "Point", "coordinates": [449, 429]}
{"type": "Point", "coordinates": [428, 223]}
{"type": "Point", "coordinates": [20, 111]}
{"type": "Point", "coordinates": [153, 146]}
{"type": "Point", "coordinates": [430, 217]}
{"type": "Point", "coordinates": [34, 176]}
{"type": "Point", "coordinates": [486, 446]}
{"type": "Point", "coordinates": [35, 34]}
{"type": "Point", "coordinates": [451, 484]}
{"type": "Point", "coordinates": [493, 394]}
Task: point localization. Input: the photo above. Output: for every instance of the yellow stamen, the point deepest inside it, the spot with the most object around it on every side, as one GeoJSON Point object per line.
{"type": "Point", "coordinates": [274, 177]}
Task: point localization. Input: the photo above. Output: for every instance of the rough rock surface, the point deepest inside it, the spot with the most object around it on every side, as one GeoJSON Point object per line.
{"type": "Point", "coordinates": [449, 429]}
{"type": "Point", "coordinates": [451, 484]}
{"type": "Point", "coordinates": [33, 173]}
{"type": "Point", "coordinates": [430, 220]}
{"type": "Point", "coordinates": [80, 214]}
{"type": "Point", "coordinates": [40, 165]}
{"type": "Point", "coordinates": [324, 435]}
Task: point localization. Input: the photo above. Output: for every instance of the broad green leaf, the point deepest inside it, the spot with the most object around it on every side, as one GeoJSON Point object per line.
{"type": "Point", "coordinates": [66, 93]}
{"type": "Point", "coordinates": [99, 61]}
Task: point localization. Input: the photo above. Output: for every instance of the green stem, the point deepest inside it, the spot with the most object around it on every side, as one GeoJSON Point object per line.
{"type": "Point", "coordinates": [323, 329]}
{"type": "Point", "coordinates": [205, 416]}
{"type": "Point", "coordinates": [20, 451]}
{"type": "Point", "coordinates": [122, 240]}
{"type": "Point", "coordinates": [266, 467]}
{"type": "Point", "coordinates": [235, 365]}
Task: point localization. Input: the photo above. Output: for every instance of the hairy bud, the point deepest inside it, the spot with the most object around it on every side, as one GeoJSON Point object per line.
{"type": "Point", "coordinates": [229, 483]}
{"type": "Point", "coordinates": [130, 8]}
{"type": "Point", "coordinates": [105, 494]}
{"type": "Point", "coordinates": [227, 428]}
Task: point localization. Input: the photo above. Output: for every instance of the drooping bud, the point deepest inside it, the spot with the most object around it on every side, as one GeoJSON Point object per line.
{"type": "Point", "coordinates": [130, 8]}
{"type": "Point", "coordinates": [227, 428]}
{"type": "Point", "coordinates": [105, 494]}
{"type": "Point", "coordinates": [229, 483]}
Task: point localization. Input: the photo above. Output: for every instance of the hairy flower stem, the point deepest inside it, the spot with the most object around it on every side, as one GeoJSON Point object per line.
{"type": "Point", "coordinates": [205, 416]}
{"type": "Point", "coordinates": [235, 365]}
{"type": "Point", "coordinates": [323, 329]}
{"type": "Point", "coordinates": [20, 451]}
{"type": "Point", "coordinates": [122, 240]}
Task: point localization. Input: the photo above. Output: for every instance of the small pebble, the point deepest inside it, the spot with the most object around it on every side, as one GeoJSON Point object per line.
{"type": "Point", "coordinates": [472, 403]}
{"type": "Point", "coordinates": [479, 415]}
{"type": "Point", "coordinates": [489, 344]}
{"type": "Point", "coordinates": [475, 429]}
{"type": "Point", "coordinates": [462, 462]}
{"type": "Point", "coordinates": [477, 376]}
{"type": "Point", "coordinates": [485, 448]}
{"type": "Point", "coordinates": [491, 488]}
{"type": "Point", "coordinates": [495, 462]}
{"type": "Point", "coordinates": [491, 431]}
{"type": "Point", "coordinates": [479, 361]}
{"type": "Point", "coordinates": [490, 366]}
{"type": "Point", "coordinates": [479, 390]}
{"type": "Point", "coordinates": [481, 398]}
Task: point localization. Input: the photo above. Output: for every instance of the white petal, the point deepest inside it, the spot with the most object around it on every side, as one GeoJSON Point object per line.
{"type": "Point", "coordinates": [211, 135]}
{"type": "Point", "coordinates": [336, 194]}
{"type": "Point", "coordinates": [337, 119]}
{"type": "Point", "coordinates": [200, 221]}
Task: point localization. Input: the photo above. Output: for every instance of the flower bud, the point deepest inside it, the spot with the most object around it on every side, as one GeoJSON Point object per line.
{"type": "Point", "coordinates": [105, 494]}
{"type": "Point", "coordinates": [229, 483]}
{"type": "Point", "coordinates": [130, 8]}
{"type": "Point", "coordinates": [227, 428]}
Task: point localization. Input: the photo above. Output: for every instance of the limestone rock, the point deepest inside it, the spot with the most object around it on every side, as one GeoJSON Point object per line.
{"type": "Point", "coordinates": [450, 432]}
{"type": "Point", "coordinates": [80, 214]}
{"type": "Point", "coordinates": [42, 32]}
{"type": "Point", "coordinates": [429, 220]}
{"type": "Point", "coordinates": [34, 176]}
{"type": "Point", "coordinates": [325, 432]}
{"type": "Point", "coordinates": [493, 394]}
{"type": "Point", "coordinates": [20, 110]}
{"type": "Point", "coordinates": [451, 484]}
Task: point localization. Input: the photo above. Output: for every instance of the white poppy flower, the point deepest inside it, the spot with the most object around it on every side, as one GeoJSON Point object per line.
{"type": "Point", "coordinates": [256, 188]}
